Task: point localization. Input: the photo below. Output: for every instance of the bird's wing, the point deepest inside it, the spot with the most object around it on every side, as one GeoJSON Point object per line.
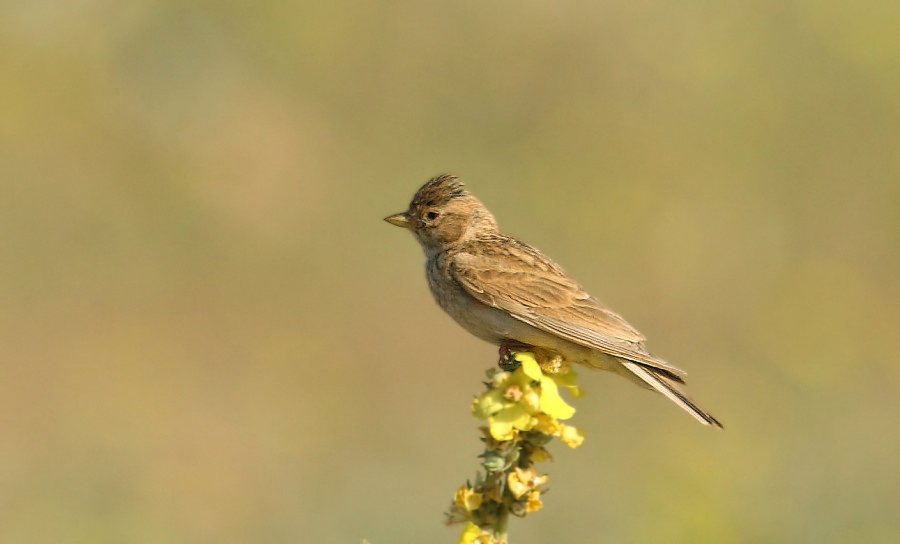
{"type": "Point", "coordinates": [518, 279]}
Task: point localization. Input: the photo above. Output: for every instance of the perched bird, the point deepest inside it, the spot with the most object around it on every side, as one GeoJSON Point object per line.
{"type": "Point", "coordinates": [510, 294]}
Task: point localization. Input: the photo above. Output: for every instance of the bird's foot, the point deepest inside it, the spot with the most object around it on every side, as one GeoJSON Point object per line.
{"type": "Point", "coordinates": [550, 361]}
{"type": "Point", "coordinates": [507, 348]}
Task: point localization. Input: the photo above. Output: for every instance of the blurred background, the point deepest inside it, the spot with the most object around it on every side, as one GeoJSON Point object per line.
{"type": "Point", "coordinates": [208, 335]}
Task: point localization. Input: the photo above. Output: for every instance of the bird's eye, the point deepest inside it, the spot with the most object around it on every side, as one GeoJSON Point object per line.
{"type": "Point", "coordinates": [431, 216]}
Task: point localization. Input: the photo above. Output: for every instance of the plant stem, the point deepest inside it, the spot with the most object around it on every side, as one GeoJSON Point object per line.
{"type": "Point", "coordinates": [500, 523]}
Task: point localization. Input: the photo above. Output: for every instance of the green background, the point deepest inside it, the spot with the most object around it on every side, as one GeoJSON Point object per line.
{"type": "Point", "coordinates": [208, 335]}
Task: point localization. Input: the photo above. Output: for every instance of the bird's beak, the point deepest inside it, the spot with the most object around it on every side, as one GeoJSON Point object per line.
{"type": "Point", "coordinates": [400, 220]}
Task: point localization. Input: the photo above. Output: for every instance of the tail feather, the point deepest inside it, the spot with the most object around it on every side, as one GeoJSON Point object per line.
{"type": "Point", "coordinates": [661, 383]}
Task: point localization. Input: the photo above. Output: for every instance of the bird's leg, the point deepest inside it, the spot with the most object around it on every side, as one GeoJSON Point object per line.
{"type": "Point", "coordinates": [507, 348]}
{"type": "Point", "coordinates": [549, 360]}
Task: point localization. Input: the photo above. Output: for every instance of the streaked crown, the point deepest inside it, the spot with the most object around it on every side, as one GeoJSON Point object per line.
{"type": "Point", "coordinates": [438, 191]}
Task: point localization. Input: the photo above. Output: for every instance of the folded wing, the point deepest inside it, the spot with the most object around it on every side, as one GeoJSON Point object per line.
{"type": "Point", "coordinates": [536, 291]}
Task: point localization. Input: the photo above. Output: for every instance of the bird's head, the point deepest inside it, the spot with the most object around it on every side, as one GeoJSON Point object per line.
{"type": "Point", "coordinates": [443, 213]}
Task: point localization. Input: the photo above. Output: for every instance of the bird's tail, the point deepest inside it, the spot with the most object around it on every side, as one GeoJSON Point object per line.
{"type": "Point", "coordinates": [664, 385]}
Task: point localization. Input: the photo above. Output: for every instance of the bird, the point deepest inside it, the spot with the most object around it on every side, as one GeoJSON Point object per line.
{"type": "Point", "coordinates": [510, 294]}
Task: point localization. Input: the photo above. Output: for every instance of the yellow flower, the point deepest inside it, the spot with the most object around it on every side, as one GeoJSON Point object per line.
{"type": "Point", "coordinates": [467, 499]}
{"type": "Point", "coordinates": [524, 480]}
{"type": "Point", "coordinates": [489, 403]}
{"type": "Point", "coordinates": [547, 424]}
{"type": "Point", "coordinates": [509, 404]}
{"type": "Point", "coordinates": [513, 393]}
{"type": "Point", "coordinates": [567, 379]}
{"type": "Point", "coordinates": [469, 533]}
{"type": "Point", "coordinates": [529, 365]}
{"type": "Point", "coordinates": [550, 401]}
{"type": "Point", "coordinates": [515, 485]}
{"type": "Point", "coordinates": [507, 422]}
{"type": "Point", "coordinates": [571, 436]}
{"type": "Point", "coordinates": [533, 502]}
{"type": "Point", "coordinates": [526, 397]}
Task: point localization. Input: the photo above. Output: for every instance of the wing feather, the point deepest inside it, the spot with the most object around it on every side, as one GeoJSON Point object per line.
{"type": "Point", "coordinates": [516, 278]}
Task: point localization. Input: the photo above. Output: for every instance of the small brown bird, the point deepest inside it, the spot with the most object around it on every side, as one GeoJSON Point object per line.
{"type": "Point", "coordinates": [510, 294]}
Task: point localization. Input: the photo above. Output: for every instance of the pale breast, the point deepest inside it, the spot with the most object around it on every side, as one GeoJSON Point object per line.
{"type": "Point", "coordinates": [479, 319]}
{"type": "Point", "coordinates": [488, 323]}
